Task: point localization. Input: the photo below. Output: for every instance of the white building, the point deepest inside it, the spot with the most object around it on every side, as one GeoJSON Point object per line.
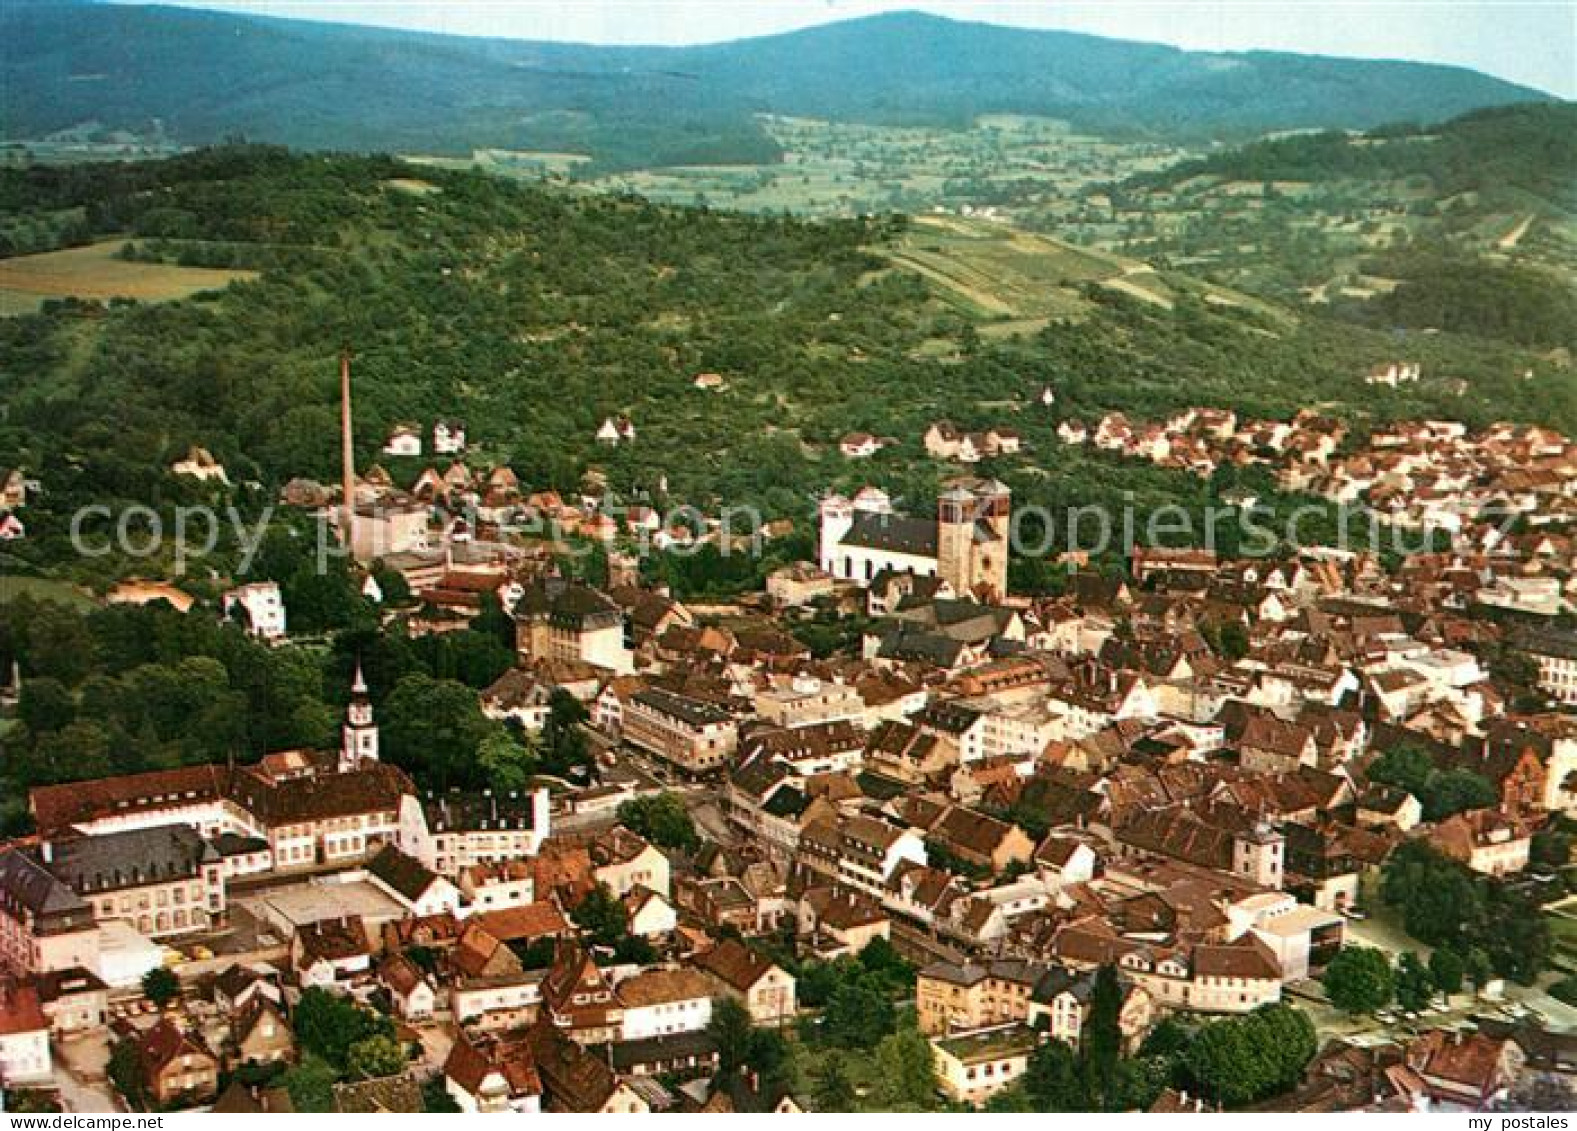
{"type": "Point", "coordinates": [261, 606]}
{"type": "Point", "coordinates": [448, 437]}
{"type": "Point", "coordinates": [404, 440]}
{"type": "Point", "coordinates": [24, 1036]}
{"type": "Point", "coordinates": [658, 1003]}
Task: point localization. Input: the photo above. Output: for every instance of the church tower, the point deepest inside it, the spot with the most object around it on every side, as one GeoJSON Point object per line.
{"type": "Point", "coordinates": [973, 520]}
{"type": "Point", "coordinates": [359, 735]}
{"type": "Point", "coordinates": [835, 516]}
{"type": "Point", "coordinates": [955, 538]}
{"type": "Point", "coordinates": [1260, 855]}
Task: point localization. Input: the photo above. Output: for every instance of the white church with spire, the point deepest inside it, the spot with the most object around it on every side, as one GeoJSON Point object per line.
{"type": "Point", "coordinates": [359, 734]}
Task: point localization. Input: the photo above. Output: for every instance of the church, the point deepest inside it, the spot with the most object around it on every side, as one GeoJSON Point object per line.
{"type": "Point", "coordinates": [966, 544]}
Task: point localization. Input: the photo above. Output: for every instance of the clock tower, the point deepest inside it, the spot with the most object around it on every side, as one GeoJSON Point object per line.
{"type": "Point", "coordinates": [359, 735]}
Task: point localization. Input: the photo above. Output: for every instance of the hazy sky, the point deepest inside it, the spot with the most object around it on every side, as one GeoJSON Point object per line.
{"type": "Point", "coordinates": [1527, 41]}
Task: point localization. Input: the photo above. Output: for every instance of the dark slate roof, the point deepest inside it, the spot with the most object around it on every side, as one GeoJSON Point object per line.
{"type": "Point", "coordinates": [234, 844]}
{"type": "Point", "coordinates": [929, 647]}
{"type": "Point", "coordinates": [894, 533]}
{"type": "Point", "coordinates": [130, 859]}
{"type": "Point", "coordinates": [25, 886]}
{"type": "Point", "coordinates": [696, 712]}
{"type": "Point", "coordinates": [403, 874]}
{"type": "Point", "coordinates": [787, 802]}
{"type": "Point", "coordinates": [477, 812]}
{"type": "Point", "coordinates": [568, 604]}
{"type": "Point", "coordinates": [627, 1056]}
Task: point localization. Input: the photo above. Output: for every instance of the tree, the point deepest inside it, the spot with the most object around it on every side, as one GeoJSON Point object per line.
{"type": "Point", "coordinates": [433, 728]}
{"type": "Point", "coordinates": [396, 591]}
{"type": "Point", "coordinates": [1241, 1060]}
{"type": "Point", "coordinates": [1405, 766]}
{"type": "Point", "coordinates": [1138, 1082]}
{"type": "Point", "coordinates": [1053, 1079]}
{"type": "Point", "coordinates": [663, 820]}
{"type": "Point", "coordinates": [503, 763]}
{"type": "Point", "coordinates": [1414, 986]}
{"type": "Point", "coordinates": [1476, 966]}
{"type": "Point", "coordinates": [374, 1058]}
{"type": "Point", "coordinates": [311, 1084]}
{"type": "Point", "coordinates": [731, 1028]}
{"type": "Point", "coordinates": [905, 1072]}
{"type": "Point", "coordinates": [1551, 848]}
{"type": "Point", "coordinates": [1456, 791]}
{"type": "Point", "coordinates": [125, 1071]}
{"type": "Point", "coordinates": [883, 962]}
{"type": "Point", "coordinates": [1102, 1040]}
{"type": "Point", "coordinates": [1447, 968]}
{"type": "Point", "coordinates": [602, 916]}
{"type": "Point", "coordinates": [1289, 1036]}
{"type": "Point", "coordinates": [1443, 903]}
{"type": "Point", "coordinates": [45, 705]}
{"type": "Point", "coordinates": [160, 986]}
{"type": "Point", "coordinates": [563, 740]}
{"type": "Point", "coordinates": [857, 1016]}
{"type": "Point", "coordinates": [833, 1091]}
{"type": "Point", "coordinates": [436, 1099]}
{"type": "Point", "coordinates": [329, 1026]}
{"type": "Point", "coordinates": [1359, 980]}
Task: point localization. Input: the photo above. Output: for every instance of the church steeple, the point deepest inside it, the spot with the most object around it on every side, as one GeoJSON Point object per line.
{"type": "Point", "coordinates": [359, 735]}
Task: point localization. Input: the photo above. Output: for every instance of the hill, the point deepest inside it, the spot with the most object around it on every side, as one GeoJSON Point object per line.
{"type": "Point", "coordinates": [534, 313]}
{"type": "Point", "coordinates": [199, 77]}
{"type": "Point", "coordinates": [1470, 224]}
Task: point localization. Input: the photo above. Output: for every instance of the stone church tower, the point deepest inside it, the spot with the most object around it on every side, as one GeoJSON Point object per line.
{"type": "Point", "coordinates": [973, 520]}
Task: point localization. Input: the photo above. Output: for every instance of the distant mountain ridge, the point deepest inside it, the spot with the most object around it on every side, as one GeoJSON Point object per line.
{"type": "Point", "coordinates": [205, 75]}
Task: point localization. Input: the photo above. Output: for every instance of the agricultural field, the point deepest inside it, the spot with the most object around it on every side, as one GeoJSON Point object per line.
{"type": "Point", "coordinates": [526, 164]}
{"type": "Point", "coordinates": [43, 589]}
{"type": "Point", "coordinates": [1014, 281]}
{"type": "Point", "coordinates": [840, 169]}
{"type": "Point", "coordinates": [97, 272]}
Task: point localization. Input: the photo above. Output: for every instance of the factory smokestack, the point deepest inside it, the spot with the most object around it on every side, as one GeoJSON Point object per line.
{"type": "Point", "coordinates": [347, 456]}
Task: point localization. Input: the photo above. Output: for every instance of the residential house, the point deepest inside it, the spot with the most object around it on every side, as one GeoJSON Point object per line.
{"type": "Point", "coordinates": [491, 1074]}
{"type": "Point", "coordinates": [177, 1068]}
{"type": "Point", "coordinates": [765, 988]}
{"type": "Point", "coordinates": [411, 884]}
{"type": "Point", "coordinates": [411, 991]}
{"type": "Point", "coordinates": [24, 1035]}
{"type": "Point", "coordinates": [260, 1035]}
{"type": "Point", "coordinates": [331, 954]}
{"type": "Point", "coordinates": [973, 1067]}
{"type": "Point", "coordinates": [404, 440]}
{"type": "Point", "coordinates": [1486, 840]}
{"type": "Point", "coordinates": [660, 1002]}
{"type": "Point", "coordinates": [259, 606]}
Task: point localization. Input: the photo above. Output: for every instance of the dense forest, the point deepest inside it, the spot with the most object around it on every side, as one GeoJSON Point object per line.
{"type": "Point", "coordinates": [534, 313]}
{"type": "Point", "coordinates": [1527, 147]}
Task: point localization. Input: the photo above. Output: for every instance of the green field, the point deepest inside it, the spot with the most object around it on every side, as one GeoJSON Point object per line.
{"type": "Point", "coordinates": [43, 589]}
{"type": "Point", "coordinates": [841, 169]}
{"type": "Point", "coordinates": [96, 272]}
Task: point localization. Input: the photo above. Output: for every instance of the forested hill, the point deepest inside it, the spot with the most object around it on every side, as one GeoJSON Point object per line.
{"type": "Point", "coordinates": [1469, 225]}
{"type": "Point", "coordinates": [198, 76]}
{"type": "Point", "coordinates": [533, 314]}
{"type": "Point", "coordinates": [1532, 148]}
